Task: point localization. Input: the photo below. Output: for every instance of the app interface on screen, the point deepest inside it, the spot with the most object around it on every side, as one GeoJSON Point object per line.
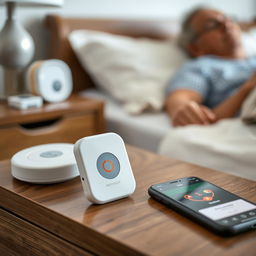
{"type": "Point", "coordinates": [209, 200]}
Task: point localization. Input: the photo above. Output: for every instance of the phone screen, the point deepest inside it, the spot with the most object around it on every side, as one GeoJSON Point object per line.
{"type": "Point", "coordinates": [209, 200]}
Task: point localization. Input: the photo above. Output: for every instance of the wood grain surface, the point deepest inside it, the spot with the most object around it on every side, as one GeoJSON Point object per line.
{"type": "Point", "coordinates": [19, 237]}
{"type": "Point", "coordinates": [136, 225]}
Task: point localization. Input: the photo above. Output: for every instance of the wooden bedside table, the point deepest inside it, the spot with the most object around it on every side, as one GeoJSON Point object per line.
{"type": "Point", "coordinates": [57, 219]}
{"type": "Point", "coordinates": [65, 122]}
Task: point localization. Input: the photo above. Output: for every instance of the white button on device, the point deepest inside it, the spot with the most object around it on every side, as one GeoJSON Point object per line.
{"type": "Point", "coordinates": [104, 168]}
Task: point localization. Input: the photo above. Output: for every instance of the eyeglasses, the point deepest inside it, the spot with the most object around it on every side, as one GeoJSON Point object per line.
{"type": "Point", "coordinates": [213, 24]}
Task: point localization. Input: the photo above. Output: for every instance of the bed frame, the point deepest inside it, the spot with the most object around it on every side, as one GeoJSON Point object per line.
{"type": "Point", "coordinates": [60, 27]}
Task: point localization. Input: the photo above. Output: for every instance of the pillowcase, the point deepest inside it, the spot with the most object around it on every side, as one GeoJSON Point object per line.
{"type": "Point", "coordinates": [134, 71]}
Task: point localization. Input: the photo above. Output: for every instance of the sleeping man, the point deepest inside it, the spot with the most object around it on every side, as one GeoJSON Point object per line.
{"type": "Point", "coordinates": [215, 82]}
{"type": "Point", "coordinates": [212, 86]}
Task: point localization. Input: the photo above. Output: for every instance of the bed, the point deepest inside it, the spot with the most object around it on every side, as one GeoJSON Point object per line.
{"type": "Point", "coordinates": [150, 130]}
{"type": "Point", "coordinates": [145, 130]}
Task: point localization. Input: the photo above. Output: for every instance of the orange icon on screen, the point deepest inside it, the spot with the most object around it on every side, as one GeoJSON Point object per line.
{"type": "Point", "coordinates": [207, 198]}
{"type": "Point", "coordinates": [201, 196]}
{"type": "Point", "coordinates": [106, 169]}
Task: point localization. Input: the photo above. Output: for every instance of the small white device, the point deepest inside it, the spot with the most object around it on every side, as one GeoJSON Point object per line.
{"type": "Point", "coordinates": [51, 79]}
{"type": "Point", "coordinates": [25, 101]}
{"type": "Point", "coordinates": [47, 163]}
{"type": "Point", "coordinates": [104, 168]}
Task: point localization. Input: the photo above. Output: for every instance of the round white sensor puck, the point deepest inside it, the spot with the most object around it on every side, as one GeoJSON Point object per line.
{"type": "Point", "coordinates": [48, 163]}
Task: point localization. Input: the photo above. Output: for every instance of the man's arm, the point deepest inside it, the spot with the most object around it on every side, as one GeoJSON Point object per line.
{"type": "Point", "coordinates": [184, 107]}
{"type": "Point", "coordinates": [232, 105]}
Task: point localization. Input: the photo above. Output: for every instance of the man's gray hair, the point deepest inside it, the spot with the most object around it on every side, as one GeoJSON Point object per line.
{"type": "Point", "coordinates": [187, 33]}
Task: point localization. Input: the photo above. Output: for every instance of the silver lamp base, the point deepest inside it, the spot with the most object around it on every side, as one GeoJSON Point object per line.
{"type": "Point", "coordinates": [16, 52]}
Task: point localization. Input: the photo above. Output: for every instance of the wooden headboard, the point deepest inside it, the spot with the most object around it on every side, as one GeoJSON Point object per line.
{"type": "Point", "coordinates": [60, 27]}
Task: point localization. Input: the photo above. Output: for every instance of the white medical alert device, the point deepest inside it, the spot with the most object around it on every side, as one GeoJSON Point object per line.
{"type": "Point", "coordinates": [104, 168]}
{"type": "Point", "coordinates": [47, 163]}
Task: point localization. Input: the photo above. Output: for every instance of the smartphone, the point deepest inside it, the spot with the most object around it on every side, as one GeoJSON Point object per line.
{"type": "Point", "coordinates": [221, 211]}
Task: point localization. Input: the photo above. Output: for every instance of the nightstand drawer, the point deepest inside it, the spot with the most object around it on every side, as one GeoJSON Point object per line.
{"type": "Point", "coordinates": [63, 129]}
{"type": "Point", "coordinates": [63, 122]}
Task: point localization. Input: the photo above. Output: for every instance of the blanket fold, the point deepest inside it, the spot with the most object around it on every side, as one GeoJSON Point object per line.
{"type": "Point", "coordinates": [228, 145]}
{"type": "Point", "coordinates": [248, 110]}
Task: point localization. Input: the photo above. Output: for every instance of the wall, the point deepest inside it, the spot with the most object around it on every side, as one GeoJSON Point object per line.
{"type": "Point", "coordinates": [140, 9]}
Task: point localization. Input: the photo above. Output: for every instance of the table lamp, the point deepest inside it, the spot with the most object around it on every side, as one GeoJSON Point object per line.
{"type": "Point", "coordinates": [16, 45]}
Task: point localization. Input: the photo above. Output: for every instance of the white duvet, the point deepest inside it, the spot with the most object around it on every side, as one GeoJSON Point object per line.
{"type": "Point", "coordinates": [229, 145]}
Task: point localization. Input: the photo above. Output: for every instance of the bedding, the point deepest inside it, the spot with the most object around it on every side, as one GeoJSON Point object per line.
{"type": "Point", "coordinates": [145, 131]}
{"type": "Point", "coordinates": [134, 71]}
{"type": "Point", "coordinates": [227, 146]}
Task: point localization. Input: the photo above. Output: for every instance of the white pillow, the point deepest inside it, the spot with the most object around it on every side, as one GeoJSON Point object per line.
{"type": "Point", "coordinates": [133, 71]}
